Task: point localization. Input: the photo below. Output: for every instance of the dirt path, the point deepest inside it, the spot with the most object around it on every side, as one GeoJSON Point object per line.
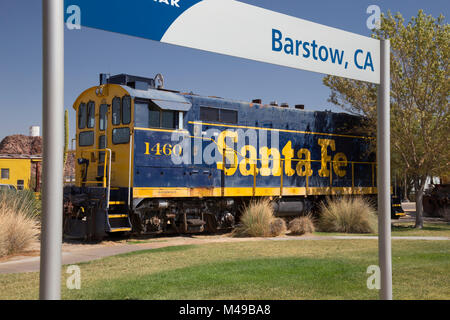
{"type": "Point", "coordinates": [73, 253]}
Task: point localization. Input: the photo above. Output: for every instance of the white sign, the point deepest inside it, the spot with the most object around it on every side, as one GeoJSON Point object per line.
{"type": "Point", "coordinates": [241, 30]}
{"type": "Point", "coordinates": [237, 29]}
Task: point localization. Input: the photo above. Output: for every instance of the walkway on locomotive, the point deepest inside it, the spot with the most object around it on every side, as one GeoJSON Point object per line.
{"type": "Point", "coordinates": [295, 152]}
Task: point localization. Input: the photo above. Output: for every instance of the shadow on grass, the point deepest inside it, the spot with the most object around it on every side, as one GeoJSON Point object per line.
{"type": "Point", "coordinates": [159, 250]}
{"type": "Point", "coordinates": [403, 228]}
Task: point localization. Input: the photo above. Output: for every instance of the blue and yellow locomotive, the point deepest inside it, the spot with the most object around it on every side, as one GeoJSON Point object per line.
{"type": "Point", "coordinates": [155, 160]}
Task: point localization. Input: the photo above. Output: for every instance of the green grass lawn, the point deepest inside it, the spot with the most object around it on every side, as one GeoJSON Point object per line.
{"type": "Point", "coordinates": [440, 229]}
{"type": "Point", "coordinates": [326, 269]}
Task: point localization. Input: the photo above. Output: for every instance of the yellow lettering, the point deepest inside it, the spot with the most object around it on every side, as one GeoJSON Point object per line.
{"type": "Point", "coordinates": [167, 149]}
{"type": "Point", "coordinates": [288, 154]}
{"type": "Point", "coordinates": [147, 148]}
{"type": "Point", "coordinates": [325, 158]}
{"type": "Point", "coordinates": [340, 160]}
{"type": "Point", "coordinates": [247, 166]}
{"type": "Point", "coordinates": [230, 154]}
{"type": "Point", "coordinates": [178, 151]}
{"type": "Point", "coordinates": [276, 159]}
{"type": "Point", "coordinates": [304, 165]}
{"type": "Point", "coordinates": [157, 149]}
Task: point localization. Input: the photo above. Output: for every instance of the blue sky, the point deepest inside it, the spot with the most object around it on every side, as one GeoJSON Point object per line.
{"type": "Point", "coordinates": [89, 52]}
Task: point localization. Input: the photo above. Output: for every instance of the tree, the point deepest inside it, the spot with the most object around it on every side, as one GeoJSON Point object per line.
{"type": "Point", "coordinates": [420, 117]}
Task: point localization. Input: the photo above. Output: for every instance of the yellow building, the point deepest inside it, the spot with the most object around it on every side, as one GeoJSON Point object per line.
{"type": "Point", "coordinates": [22, 172]}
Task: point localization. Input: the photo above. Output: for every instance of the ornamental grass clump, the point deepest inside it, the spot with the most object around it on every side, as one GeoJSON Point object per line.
{"type": "Point", "coordinates": [278, 227]}
{"type": "Point", "coordinates": [348, 215]}
{"type": "Point", "coordinates": [19, 226]}
{"type": "Point", "coordinates": [302, 225]}
{"type": "Point", "coordinates": [257, 219]}
{"type": "Point", "coordinates": [24, 201]}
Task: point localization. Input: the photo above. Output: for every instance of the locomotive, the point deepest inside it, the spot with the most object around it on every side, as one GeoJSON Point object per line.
{"type": "Point", "coordinates": [152, 160]}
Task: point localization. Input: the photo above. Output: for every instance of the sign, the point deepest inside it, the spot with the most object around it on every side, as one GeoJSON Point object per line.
{"type": "Point", "coordinates": [220, 26]}
{"type": "Point", "coordinates": [237, 29]}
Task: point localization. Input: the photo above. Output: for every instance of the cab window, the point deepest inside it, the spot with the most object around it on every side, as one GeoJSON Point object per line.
{"type": "Point", "coordinates": [126, 110]}
{"type": "Point", "coordinates": [149, 115]}
{"type": "Point", "coordinates": [82, 116]}
{"type": "Point", "coordinates": [86, 138]}
{"type": "Point", "coordinates": [102, 117]}
{"type": "Point", "coordinates": [154, 117]}
{"type": "Point", "coordinates": [91, 115]}
{"type": "Point", "coordinates": [121, 135]}
{"type": "Point", "coordinates": [168, 119]}
{"type": "Point", "coordinates": [116, 112]}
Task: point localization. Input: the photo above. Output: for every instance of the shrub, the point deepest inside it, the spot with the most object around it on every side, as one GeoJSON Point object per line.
{"type": "Point", "coordinates": [277, 227]}
{"type": "Point", "coordinates": [18, 224]}
{"type": "Point", "coordinates": [24, 201]}
{"type": "Point", "coordinates": [256, 219]}
{"type": "Point", "coordinates": [302, 225]}
{"type": "Point", "coordinates": [347, 214]}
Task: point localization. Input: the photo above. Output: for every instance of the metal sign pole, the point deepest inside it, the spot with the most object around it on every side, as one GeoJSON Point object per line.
{"type": "Point", "coordinates": [384, 173]}
{"type": "Point", "coordinates": [53, 147]}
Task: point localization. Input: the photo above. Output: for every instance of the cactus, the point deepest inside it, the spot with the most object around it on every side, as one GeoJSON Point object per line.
{"type": "Point", "coordinates": [66, 135]}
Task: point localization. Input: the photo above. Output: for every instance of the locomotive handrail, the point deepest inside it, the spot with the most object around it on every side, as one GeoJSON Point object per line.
{"type": "Point", "coordinates": [106, 183]}
{"type": "Point", "coordinates": [258, 159]}
{"type": "Point", "coordinates": [228, 149]}
{"type": "Point", "coordinates": [282, 167]}
{"type": "Point", "coordinates": [129, 170]}
{"type": "Point", "coordinates": [282, 162]}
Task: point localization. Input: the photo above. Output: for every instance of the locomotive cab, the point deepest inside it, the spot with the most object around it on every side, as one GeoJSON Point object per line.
{"type": "Point", "coordinates": [104, 130]}
{"type": "Point", "coordinates": [107, 116]}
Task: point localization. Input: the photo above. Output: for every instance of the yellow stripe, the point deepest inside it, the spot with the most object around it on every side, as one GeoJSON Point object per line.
{"type": "Point", "coordinates": [116, 202]}
{"type": "Point", "coordinates": [115, 216]}
{"type": "Point", "coordinates": [280, 130]}
{"type": "Point", "coordinates": [120, 229]}
{"type": "Point", "coordinates": [160, 130]}
{"type": "Point", "coordinates": [246, 192]}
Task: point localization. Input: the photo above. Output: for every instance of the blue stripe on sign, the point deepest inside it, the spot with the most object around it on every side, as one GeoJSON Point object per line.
{"type": "Point", "coordinates": [148, 19]}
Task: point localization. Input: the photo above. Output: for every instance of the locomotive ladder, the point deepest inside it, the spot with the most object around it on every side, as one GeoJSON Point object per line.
{"type": "Point", "coordinates": [117, 213]}
{"type": "Point", "coordinates": [117, 217]}
{"type": "Point", "coordinates": [118, 209]}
